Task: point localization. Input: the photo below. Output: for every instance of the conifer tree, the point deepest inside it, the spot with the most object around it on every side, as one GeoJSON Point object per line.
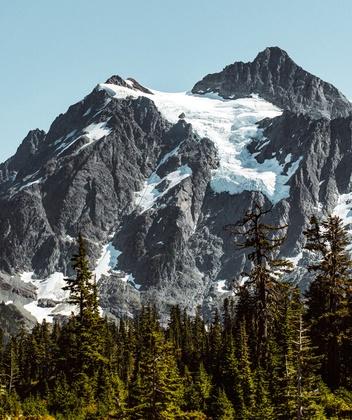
{"type": "Point", "coordinates": [111, 395]}
{"type": "Point", "coordinates": [82, 287]}
{"type": "Point", "coordinates": [83, 294]}
{"type": "Point", "coordinates": [11, 368]}
{"type": "Point", "coordinates": [329, 292]}
{"type": "Point", "coordinates": [231, 379]}
{"type": "Point", "coordinates": [198, 339]}
{"type": "Point", "coordinates": [215, 346]}
{"type": "Point", "coordinates": [229, 315]}
{"type": "Point", "coordinates": [222, 408]}
{"type": "Point", "coordinates": [156, 391]}
{"type": "Point", "coordinates": [297, 376]}
{"type": "Point", "coordinates": [202, 389]}
{"type": "Point", "coordinates": [126, 348]}
{"type": "Point", "coordinates": [263, 407]}
{"type": "Point", "coordinates": [262, 282]}
{"type": "Point", "coordinates": [246, 374]}
{"type": "Point", "coordinates": [175, 326]}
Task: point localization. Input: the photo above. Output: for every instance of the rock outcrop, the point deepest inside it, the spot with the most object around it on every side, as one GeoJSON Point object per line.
{"type": "Point", "coordinates": [274, 76]}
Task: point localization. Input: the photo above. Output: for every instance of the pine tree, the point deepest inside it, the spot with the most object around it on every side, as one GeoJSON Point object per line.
{"type": "Point", "coordinates": [215, 346]}
{"type": "Point", "coordinates": [175, 326]}
{"type": "Point", "coordinates": [83, 293]}
{"type": "Point", "coordinates": [327, 297]}
{"type": "Point", "coordinates": [263, 408]}
{"type": "Point", "coordinates": [222, 408]}
{"type": "Point", "coordinates": [156, 391]}
{"type": "Point", "coordinates": [111, 395]}
{"type": "Point", "coordinates": [231, 379]}
{"type": "Point", "coordinates": [229, 315]}
{"type": "Point", "coordinates": [126, 349]}
{"type": "Point", "coordinates": [246, 374]}
{"type": "Point", "coordinates": [262, 281]}
{"type": "Point", "coordinates": [11, 369]}
{"type": "Point", "coordinates": [297, 380]}
{"type": "Point", "coordinates": [198, 339]}
{"type": "Point", "coordinates": [62, 399]}
{"type": "Point", "coordinates": [82, 288]}
{"type": "Point", "coordinates": [202, 389]}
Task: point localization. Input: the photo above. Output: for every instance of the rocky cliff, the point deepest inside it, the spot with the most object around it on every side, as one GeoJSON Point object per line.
{"type": "Point", "coordinates": [151, 178]}
{"type": "Point", "coordinates": [274, 76]}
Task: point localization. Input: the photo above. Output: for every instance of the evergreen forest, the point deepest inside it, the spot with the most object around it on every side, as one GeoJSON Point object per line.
{"type": "Point", "coordinates": [270, 352]}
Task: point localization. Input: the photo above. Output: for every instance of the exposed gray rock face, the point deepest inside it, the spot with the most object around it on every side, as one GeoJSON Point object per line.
{"type": "Point", "coordinates": [84, 173]}
{"type": "Point", "coordinates": [60, 191]}
{"type": "Point", "coordinates": [13, 319]}
{"type": "Point", "coordinates": [12, 289]}
{"type": "Point", "coordinates": [274, 76]}
{"type": "Point", "coordinates": [47, 303]}
{"type": "Point", "coordinates": [129, 83]}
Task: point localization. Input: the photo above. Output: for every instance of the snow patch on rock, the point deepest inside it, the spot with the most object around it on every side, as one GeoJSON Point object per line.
{"type": "Point", "coordinates": [231, 125]}
{"type": "Point", "coordinates": [49, 288]}
{"type": "Point", "coordinates": [107, 261]}
{"type": "Point", "coordinates": [108, 264]}
{"type": "Point", "coordinates": [26, 276]}
{"type": "Point", "coordinates": [295, 260]}
{"type": "Point", "coordinates": [152, 192]}
{"type": "Point", "coordinates": [92, 133]}
{"type": "Point", "coordinates": [221, 286]}
{"type": "Point", "coordinates": [343, 209]}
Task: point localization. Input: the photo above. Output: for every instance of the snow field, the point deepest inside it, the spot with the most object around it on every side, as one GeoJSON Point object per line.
{"type": "Point", "coordinates": [231, 125]}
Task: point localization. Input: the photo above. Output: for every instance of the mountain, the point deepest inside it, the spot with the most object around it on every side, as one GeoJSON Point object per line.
{"type": "Point", "coordinates": [278, 79]}
{"type": "Point", "coordinates": [151, 178]}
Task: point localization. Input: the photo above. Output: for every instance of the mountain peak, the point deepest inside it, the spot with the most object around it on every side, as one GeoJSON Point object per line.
{"type": "Point", "coordinates": [272, 51]}
{"type": "Point", "coordinates": [275, 77]}
{"type": "Point", "coordinates": [129, 83]}
{"type": "Point", "coordinates": [116, 80]}
{"type": "Point", "coordinates": [274, 54]}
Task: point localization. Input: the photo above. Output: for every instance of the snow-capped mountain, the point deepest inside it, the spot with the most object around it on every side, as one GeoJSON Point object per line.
{"type": "Point", "coordinates": [150, 179]}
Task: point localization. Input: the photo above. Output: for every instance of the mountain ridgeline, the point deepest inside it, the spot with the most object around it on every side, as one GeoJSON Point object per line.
{"type": "Point", "coordinates": [150, 179]}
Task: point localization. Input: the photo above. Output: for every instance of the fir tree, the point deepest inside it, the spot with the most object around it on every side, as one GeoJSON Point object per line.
{"type": "Point", "coordinates": [202, 389]}
{"type": "Point", "coordinates": [295, 380]}
{"type": "Point", "coordinates": [262, 281]}
{"type": "Point", "coordinates": [156, 392]}
{"type": "Point", "coordinates": [11, 368]}
{"type": "Point", "coordinates": [263, 407]}
{"type": "Point", "coordinates": [83, 294]}
{"type": "Point", "coordinates": [222, 408]}
{"type": "Point", "coordinates": [82, 287]}
{"type": "Point", "coordinates": [231, 379]}
{"type": "Point", "coordinates": [328, 295]}
{"type": "Point", "coordinates": [246, 374]}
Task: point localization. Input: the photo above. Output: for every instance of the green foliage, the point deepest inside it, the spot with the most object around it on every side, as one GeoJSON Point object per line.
{"type": "Point", "coordinates": [222, 408]}
{"type": "Point", "coordinates": [262, 288]}
{"type": "Point", "coordinates": [34, 407]}
{"type": "Point", "coordinates": [267, 355]}
{"type": "Point", "coordinates": [328, 297]}
{"type": "Point", "coordinates": [156, 391]}
{"type": "Point", "coordinates": [83, 293]}
{"type": "Point", "coordinates": [9, 403]}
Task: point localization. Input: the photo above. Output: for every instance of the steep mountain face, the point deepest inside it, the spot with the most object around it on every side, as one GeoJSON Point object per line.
{"type": "Point", "coordinates": [274, 76]}
{"type": "Point", "coordinates": [151, 178]}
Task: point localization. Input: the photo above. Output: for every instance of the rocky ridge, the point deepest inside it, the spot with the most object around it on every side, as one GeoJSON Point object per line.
{"type": "Point", "coordinates": [150, 179]}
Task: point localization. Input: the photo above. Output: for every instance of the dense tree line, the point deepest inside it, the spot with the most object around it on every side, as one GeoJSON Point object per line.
{"type": "Point", "coordinates": [270, 353]}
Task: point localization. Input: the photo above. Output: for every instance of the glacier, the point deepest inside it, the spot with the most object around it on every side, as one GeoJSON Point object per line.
{"type": "Point", "coordinates": [231, 125]}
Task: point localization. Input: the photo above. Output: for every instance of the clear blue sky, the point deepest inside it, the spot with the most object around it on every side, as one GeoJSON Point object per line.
{"type": "Point", "coordinates": [54, 52]}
